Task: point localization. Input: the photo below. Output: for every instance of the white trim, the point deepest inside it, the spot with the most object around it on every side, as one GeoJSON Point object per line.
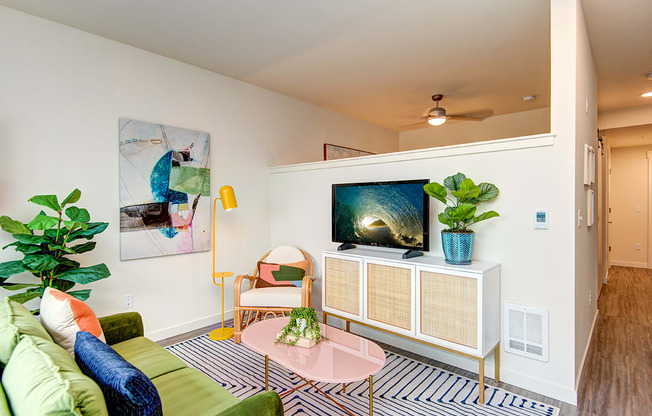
{"type": "Point", "coordinates": [188, 326]}
{"type": "Point", "coordinates": [629, 264]}
{"type": "Point", "coordinates": [586, 351]}
{"type": "Point", "coordinates": [500, 145]}
{"type": "Point", "coordinates": [605, 279]}
{"type": "Point", "coordinates": [538, 386]}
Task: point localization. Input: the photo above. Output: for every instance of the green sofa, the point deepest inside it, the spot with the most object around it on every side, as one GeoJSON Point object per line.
{"type": "Point", "coordinates": [27, 352]}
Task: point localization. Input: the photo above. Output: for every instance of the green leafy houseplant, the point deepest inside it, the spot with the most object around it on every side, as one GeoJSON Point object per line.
{"type": "Point", "coordinates": [295, 327]}
{"type": "Point", "coordinates": [46, 242]}
{"type": "Point", "coordinates": [460, 213]}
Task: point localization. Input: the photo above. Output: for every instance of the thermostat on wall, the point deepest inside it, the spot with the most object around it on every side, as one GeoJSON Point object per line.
{"type": "Point", "coordinates": [541, 219]}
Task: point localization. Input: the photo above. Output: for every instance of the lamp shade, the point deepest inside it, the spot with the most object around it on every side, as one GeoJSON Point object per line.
{"type": "Point", "coordinates": [228, 198]}
{"type": "Point", "coordinates": [436, 121]}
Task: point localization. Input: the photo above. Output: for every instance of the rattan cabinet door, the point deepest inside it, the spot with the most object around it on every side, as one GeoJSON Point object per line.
{"type": "Point", "coordinates": [449, 308]}
{"type": "Point", "coordinates": [342, 286]}
{"type": "Point", "coordinates": [390, 297]}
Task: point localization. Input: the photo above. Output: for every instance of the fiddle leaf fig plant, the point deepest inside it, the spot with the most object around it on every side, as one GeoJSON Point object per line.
{"type": "Point", "coordinates": [460, 212]}
{"type": "Point", "coordinates": [46, 242]}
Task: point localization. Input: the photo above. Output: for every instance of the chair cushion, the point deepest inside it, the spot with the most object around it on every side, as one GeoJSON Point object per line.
{"type": "Point", "coordinates": [281, 296]}
{"type": "Point", "coordinates": [126, 389]}
{"type": "Point", "coordinates": [41, 378]}
{"type": "Point", "coordinates": [64, 315]}
{"type": "Point", "coordinates": [190, 392]}
{"type": "Point", "coordinates": [272, 274]}
{"type": "Point", "coordinates": [284, 255]}
{"type": "Point", "coordinates": [16, 320]}
{"type": "Point", "coordinates": [148, 357]}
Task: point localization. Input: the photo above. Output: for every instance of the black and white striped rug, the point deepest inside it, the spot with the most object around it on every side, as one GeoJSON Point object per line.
{"type": "Point", "coordinates": [404, 387]}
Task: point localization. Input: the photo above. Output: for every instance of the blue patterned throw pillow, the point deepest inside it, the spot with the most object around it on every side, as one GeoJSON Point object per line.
{"type": "Point", "coordinates": [126, 389]}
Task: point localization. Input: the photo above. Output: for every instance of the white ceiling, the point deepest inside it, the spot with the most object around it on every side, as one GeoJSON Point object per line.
{"type": "Point", "coordinates": [375, 60]}
{"type": "Point", "coordinates": [621, 42]}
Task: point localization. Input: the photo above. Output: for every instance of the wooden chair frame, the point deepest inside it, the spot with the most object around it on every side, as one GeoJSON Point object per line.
{"type": "Point", "coordinates": [244, 316]}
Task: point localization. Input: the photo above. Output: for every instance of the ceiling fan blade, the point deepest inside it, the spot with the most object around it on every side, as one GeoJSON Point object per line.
{"type": "Point", "coordinates": [463, 118]}
{"type": "Point", "coordinates": [472, 116]}
{"type": "Point", "coordinates": [420, 124]}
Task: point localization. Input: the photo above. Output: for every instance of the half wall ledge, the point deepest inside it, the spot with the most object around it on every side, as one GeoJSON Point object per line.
{"type": "Point", "coordinates": [490, 146]}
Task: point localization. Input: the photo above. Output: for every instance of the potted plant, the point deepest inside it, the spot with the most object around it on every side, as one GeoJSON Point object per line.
{"type": "Point", "coordinates": [46, 242]}
{"type": "Point", "coordinates": [302, 330]}
{"type": "Point", "coordinates": [460, 213]}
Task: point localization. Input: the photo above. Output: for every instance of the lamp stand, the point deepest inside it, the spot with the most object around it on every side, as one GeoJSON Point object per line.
{"type": "Point", "coordinates": [222, 333]}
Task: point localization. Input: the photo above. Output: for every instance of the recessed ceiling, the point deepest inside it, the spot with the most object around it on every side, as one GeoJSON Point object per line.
{"type": "Point", "coordinates": [375, 60]}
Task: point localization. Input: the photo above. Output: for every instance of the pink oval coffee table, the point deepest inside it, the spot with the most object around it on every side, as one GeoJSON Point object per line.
{"type": "Point", "coordinates": [344, 358]}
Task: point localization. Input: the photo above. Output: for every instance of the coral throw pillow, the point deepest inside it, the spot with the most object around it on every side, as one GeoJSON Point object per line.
{"type": "Point", "coordinates": [64, 315]}
{"type": "Point", "coordinates": [290, 274]}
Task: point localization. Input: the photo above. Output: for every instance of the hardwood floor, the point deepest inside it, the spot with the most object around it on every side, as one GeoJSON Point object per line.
{"type": "Point", "coordinates": [617, 377]}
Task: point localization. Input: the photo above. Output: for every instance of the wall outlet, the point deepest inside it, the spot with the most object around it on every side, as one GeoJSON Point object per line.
{"type": "Point", "coordinates": [589, 298]}
{"type": "Point", "coordinates": [638, 246]}
{"type": "Point", "coordinates": [128, 302]}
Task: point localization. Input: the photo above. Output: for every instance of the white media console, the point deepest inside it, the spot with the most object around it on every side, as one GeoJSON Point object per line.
{"type": "Point", "coordinates": [424, 299]}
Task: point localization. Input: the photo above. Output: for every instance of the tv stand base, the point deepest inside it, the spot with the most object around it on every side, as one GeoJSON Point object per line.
{"type": "Point", "coordinates": [411, 254]}
{"type": "Point", "coordinates": [345, 246]}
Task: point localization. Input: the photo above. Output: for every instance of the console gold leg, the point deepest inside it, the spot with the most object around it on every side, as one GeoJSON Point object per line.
{"type": "Point", "coordinates": [481, 384]}
{"type": "Point", "coordinates": [266, 372]}
{"type": "Point", "coordinates": [371, 395]}
{"type": "Point", "coordinates": [497, 359]}
{"type": "Point", "coordinates": [343, 387]}
{"type": "Point", "coordinates": [348, 326]}
{"type": "Point", "coordinates": [324, 318]}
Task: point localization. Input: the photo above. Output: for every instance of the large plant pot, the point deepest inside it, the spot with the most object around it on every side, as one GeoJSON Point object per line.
{"type": "Point", "coordinates": [458, 247]}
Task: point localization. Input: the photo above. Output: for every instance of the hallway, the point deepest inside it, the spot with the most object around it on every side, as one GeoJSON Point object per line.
{"type": "Point", "coordinates": [617, 377]}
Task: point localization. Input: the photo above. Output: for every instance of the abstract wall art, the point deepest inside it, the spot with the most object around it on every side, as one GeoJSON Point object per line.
{"type": "Point", "coordinates": [164, 190]}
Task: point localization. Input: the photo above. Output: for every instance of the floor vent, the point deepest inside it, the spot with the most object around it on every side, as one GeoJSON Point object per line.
{"type": "Point", "coordinates": [526, 331]}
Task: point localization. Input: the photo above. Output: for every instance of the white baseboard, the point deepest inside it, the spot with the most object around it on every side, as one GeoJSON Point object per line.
{"type": "Point", "coordinates": [629, 264]}
{"type": "Point", "coordinates": [586, 351]}
{"type": "Point", "coordinates": [606, 277]}
{"type": "Point", "coordinates": [188, 326]}
{"type": "Point", "coordinates": [525, 381]}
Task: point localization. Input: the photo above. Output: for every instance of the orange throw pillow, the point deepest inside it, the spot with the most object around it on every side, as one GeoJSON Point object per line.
{"type": "Point", "coordinates": [63, 316]}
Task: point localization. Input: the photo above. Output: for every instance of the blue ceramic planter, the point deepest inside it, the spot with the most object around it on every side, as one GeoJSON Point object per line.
{"type": "Point", "coordinates": [458, 247]}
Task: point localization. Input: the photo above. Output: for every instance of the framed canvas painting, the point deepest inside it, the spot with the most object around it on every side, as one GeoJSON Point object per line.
{"type": "Point", "coordinates": [164, 190]}
{"type": "Point", "coordinates": [333, 151]}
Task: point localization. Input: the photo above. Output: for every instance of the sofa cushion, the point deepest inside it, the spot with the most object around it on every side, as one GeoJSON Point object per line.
{"type": "Point", "coordinates": [64, 315]}
{"type": "Point", "coordinates": [189, 392]}
{"type": "Point", "coordinates": [42, 379]}
{"type": "Point", "coordinates": [16, 320]}
{"type": "Point", "coordinates": [148, 357]}
{"type": "Point", "coordinates": [126, 389]}
{"type": "Point", "coordinates": [4, 405]}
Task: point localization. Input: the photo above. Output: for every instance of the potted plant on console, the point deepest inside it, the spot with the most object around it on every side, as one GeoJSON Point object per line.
{"type": "Point", "coordinates": [460, 213]}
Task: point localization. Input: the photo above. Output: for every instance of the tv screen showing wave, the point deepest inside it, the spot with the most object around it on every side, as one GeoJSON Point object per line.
{"type": "Point", "coordinates": [387, 214]}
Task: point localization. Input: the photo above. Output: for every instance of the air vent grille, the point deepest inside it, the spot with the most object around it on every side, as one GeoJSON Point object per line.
{"type": "Point", "coordinates": [526, 331]}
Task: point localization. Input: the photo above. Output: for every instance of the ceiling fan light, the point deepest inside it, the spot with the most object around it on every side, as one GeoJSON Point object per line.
{"type": "Point", "coordinates": [436, 121]}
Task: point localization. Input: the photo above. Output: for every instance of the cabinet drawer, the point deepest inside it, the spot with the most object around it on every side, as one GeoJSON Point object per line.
{"type": "Point", "coordinates": [449, 308]}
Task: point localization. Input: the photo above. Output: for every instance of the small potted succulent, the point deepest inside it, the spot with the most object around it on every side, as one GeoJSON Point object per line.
{"type": "Point", "coordinates": [302, 330]}
{"type": "Point", "coordinates": [460, 213]}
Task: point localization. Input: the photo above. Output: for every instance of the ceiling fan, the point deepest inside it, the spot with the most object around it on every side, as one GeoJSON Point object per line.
{"type": "Point", "coordinates": [437, 116]}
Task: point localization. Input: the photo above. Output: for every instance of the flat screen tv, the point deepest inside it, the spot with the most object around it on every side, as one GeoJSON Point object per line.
{"type": "Point", "coordinates": [386, 214]}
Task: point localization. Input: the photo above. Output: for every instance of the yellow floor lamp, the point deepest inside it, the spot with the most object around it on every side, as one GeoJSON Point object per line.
{"type": "Point", "coordinates": [228, 203]}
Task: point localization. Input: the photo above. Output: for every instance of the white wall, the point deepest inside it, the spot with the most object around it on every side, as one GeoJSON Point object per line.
{"type": "Point", "coordinates": [62, 92]}
{"type": "Point", "coordinates": [536, 265]}
{"type": "Point", "coordinates": [519, 124]}
{"type": "Point", "coordinates": [629, 206]}
{"type": "Point", "coordinates": [586, 238]}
